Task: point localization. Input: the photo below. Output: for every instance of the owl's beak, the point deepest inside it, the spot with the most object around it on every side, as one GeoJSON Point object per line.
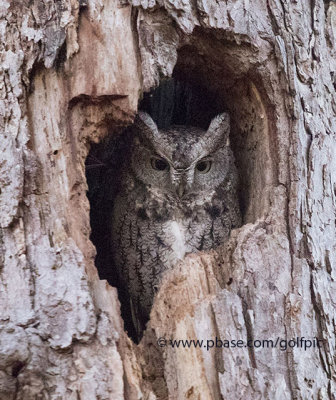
{"type": "Point", "coordinates": [180, 189]}
{"type": "Point", "coordinates": [180, 182]}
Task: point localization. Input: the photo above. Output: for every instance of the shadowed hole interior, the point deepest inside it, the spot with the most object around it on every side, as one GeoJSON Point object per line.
{"type": "Point", "coordinates": [193, 96]}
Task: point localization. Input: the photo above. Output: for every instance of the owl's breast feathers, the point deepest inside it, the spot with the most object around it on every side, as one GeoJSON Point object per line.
{"type": "Point", "coordinates": [152, 230]}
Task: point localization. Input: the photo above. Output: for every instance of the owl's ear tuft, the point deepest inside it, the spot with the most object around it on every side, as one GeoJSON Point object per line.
{"type": "Point", "coordinates": [220, 127]}
{"type": "Point", "coordinates": [145, 123]}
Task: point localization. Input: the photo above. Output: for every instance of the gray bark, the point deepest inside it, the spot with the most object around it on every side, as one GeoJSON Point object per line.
{"type": "Point", "coordinates": [72, 71]}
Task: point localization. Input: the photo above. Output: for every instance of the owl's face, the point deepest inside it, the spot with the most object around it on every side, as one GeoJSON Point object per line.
{"type": "Point", "coordinates": [181, 161]}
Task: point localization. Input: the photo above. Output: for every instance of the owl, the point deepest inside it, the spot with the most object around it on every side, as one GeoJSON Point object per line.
{"type": "Point", "coordinates": [178, 195]}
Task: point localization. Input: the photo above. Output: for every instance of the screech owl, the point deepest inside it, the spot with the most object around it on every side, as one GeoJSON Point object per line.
{"type": "Point", "coordinates": [178, 195]}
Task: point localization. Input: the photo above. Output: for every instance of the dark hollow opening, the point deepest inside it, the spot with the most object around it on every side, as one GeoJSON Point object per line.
{"type": "Point", "coordinates": [174, 102]}
{"type": "Point", "coordinates": [212, 75]}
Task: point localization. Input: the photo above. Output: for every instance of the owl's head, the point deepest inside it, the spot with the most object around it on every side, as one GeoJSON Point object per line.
{"type": "Point", "coordinates": [181, 161]}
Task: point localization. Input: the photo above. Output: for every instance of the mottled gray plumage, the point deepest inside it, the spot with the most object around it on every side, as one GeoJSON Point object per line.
{"type": "Point", "coordinates": [178, 195]}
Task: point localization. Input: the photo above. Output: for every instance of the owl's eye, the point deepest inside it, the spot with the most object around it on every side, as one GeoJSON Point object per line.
{"type": "Point", "coordinates": [203, 166]}
{"type": "Point", "coordinates": [159, 164]}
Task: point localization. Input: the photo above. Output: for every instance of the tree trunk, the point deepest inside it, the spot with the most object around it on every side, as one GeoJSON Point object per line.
{"type": "Point", "coordinates": [73, 73]}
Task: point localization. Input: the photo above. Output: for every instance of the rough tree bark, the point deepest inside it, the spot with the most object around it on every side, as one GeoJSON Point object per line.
{"type": "Point", "coordinates": [72, 72]}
